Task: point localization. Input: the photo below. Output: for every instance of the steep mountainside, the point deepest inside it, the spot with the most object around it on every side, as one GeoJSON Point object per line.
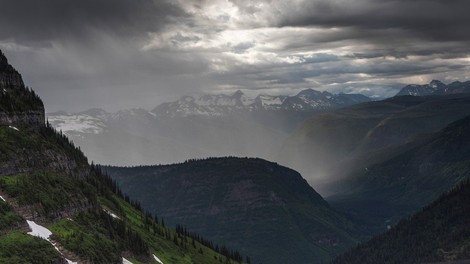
{"type": "Point", "coordinates": [266, 210]}
{"type": "Point", "coordinates": [407, 181]}
{"type": "Point", "coordinates": [327, 147]}
{"type": "Point", "coordinates": [435, 87]}
{"type": "Point", "coordinates": [19, 105]}
{"type": "Point", "coordinates": [439, 233]}
{"type": "Point", "coordinates": [48, 189]}
{"type": "Point", "coordinates": [210, 125]}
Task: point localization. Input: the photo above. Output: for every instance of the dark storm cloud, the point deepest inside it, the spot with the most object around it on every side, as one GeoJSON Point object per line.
{"type": "Point", "coordinates": [138, 53]}
{"type": "Point", "coordinates": [430, 19]}
{"type": "Point", "coordinates": [32, 22]}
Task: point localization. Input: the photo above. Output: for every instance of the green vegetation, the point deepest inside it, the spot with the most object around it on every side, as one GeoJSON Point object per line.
{"type": "Point", "coordinates": [51, 192]}
{"type": "Point", "coordinates": [42, 170]}
{"type": "Point", "coordinates": [56, 189]}
{"type": "Point", "coordinates": [8, 218]}
{"type": "Point", "coordinates": [86, 241]}
{"type": "Point", "coordinates": [58, 182]}
{"type": "Point", "coordinates": [19, 248]}
{"type": "Point", "coordinates": [163, 241]}
{"type": "Point", "coordinates": [440, 232]}
{"type": "Point", "coordinates": [44, 140]}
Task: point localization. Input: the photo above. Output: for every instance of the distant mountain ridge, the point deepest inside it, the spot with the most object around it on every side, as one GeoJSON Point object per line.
{"type": "Point", "coordinates": [435, 87]}
{"type": "Point", "coordinates": [195, 127]}
{"type": "Point", "coordinates": [216, 105]}
{"type": "Point", "coordinates": [221, 104]}
{"type": "Point", "coordinates": [328, 145]}
{"type": "Point", "coordinates": [209, 105]}
{"type": "Point", "coordinates": [209, 125]}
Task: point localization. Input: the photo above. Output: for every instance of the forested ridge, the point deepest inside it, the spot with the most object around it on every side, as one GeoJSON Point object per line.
{"type": "Point", "coordinates": [439, 232]}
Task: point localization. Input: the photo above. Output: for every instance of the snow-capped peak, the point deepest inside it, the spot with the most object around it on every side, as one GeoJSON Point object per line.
{"type": "Point", "coordinates": [436, 84]}
{"type": "Point", "coordinates": [95, 121]}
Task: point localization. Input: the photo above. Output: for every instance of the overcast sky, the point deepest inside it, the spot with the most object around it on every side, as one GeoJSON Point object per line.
{"type": "Point", "coordinates": [118, 54]}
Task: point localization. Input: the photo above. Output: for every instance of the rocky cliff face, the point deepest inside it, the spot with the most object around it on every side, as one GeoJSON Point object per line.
{"type": "Point", "coordinates": [20, 119]}
{"type": "Point", "coordinates": [19, 106]}
{"type": "Point", "coordinates": [30, 161]}
{"type": "Point", "coordinates": [9, 77]}
{"type": "Point", "coordinates": [22, 110]}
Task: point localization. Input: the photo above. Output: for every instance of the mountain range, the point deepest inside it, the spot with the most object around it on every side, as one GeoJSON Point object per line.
{"type": "Point", "coordinates": [239, 195]}
{"type": "Point", "coordinates": [331, 145]}
{"type": "Point", "coordinates": [210, 125]}
{"type": "Point", "coordinates": [382, 160]}
{"type": "Point", "coordinates": [221, 104]}
{"type": "Point", "coordinates": [435, 87]}
{"type": "Point", "coordinates": [215, 125]}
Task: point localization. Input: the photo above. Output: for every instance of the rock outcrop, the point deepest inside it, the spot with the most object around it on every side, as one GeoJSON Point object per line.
{"type": "Point", "coordinates": [19, 105]}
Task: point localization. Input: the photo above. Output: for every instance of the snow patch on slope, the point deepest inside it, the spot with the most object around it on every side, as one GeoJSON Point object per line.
{"type": "Point", "coordinates": [44, 233]}
{"type": "Point", "coordinates": [38, 230]}
{"type": "Point", "coordinates": [14, 128]}
{"type": "Point", "coordinates": [70, 262]}
{"type": "Point", "coordinates": [157, 259]}
{"type": "Point", "coordinates": [268, 100]}
{"type": "Point", "coordinates": [125, 261]}
{"type": "Point", "coordinates": [111, 213]}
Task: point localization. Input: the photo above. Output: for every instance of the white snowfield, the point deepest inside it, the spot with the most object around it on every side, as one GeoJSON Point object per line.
{"type": "Point", "coordinates": [157, 259]}
{"type": "Point", "coordinates": [70, 262]}
{"type": "Point", "coordinates": [111, 214]}
{"type": "Point", "coordinates": [268, 100]}
{"type": "Point", "coordinates": [38, 230]}
{"type": "Point", "coordinates": [14, 128]}
{"type": "Point", "coordinates": [77, 123]}
{"type": "Point", "coordinates": [125, 261]}
{"type": "Point", "coordinates": [44, 233]}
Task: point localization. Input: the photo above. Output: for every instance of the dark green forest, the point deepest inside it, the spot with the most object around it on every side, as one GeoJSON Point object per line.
{"type": "Point", "coordinates": [439, 232]}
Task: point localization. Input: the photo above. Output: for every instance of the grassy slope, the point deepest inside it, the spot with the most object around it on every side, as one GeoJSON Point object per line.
{"type": "Point", "coordinates": [19, 248]}
{"type": "Point", "coordinates": [51, 191]}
